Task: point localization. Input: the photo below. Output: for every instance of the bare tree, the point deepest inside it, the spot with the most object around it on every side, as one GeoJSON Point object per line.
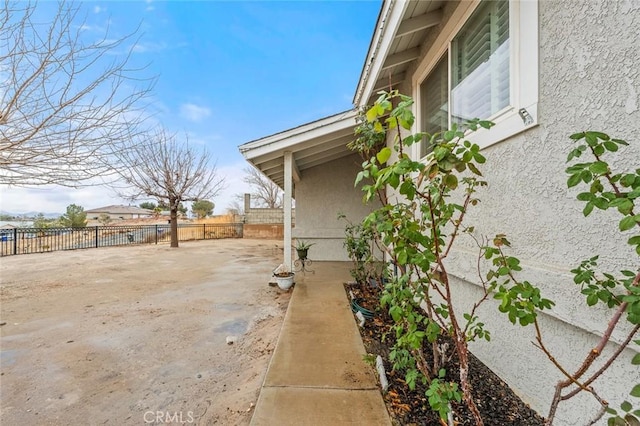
{"type": "Point", "coordinates": [171, 171]}
{"type": "Point", "coordinates": [66, 105]}
{"type": "Point", "coordinates": [235, 206]}
{"type": "Point", "coordinates": [266, 193]}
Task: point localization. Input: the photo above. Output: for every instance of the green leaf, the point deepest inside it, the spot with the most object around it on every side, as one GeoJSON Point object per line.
{"type": "Point", "coordinates": [474, 169]}
{"type": "Point", "coordinates": [383, 155]}
{"type": "Point", "coordinates": [587, 209]}
{"type": "Point", "coordinates": [439, 153]}
{"type": "Point", "coordinates": [586, 176]}
{"type": "Point", "coordinates": [372, 113]}
{"type": "Point", "coordinates": [611, 146]}
{"type": "Point", "coordinates": [479, 158]}
{"type": "Point", "coordinates": [599, 167]}
{"type": "Point", "coordinates": [573, 180]}
{"type": "Point", "coordinates": [585, 196]}
{"type": "Point", "coordinates": [635, 391]}
{"type": "Point", "coordinates": [626, 406]}
{"type": "Point", "coordinates": [600, 135]}
{"type": "Point", "coordinates": [575, 153]}
{"type": "Point", "coordinates": [600, 203]}
{"type": "Point", "coordinates": [591, 139]}
{"type": "Point", "coordinates": [451, 181]}
{"type": "Point", "coordinates": [626, 207]}
{"type": "Point", "coordinates": [577, 136]}
{"type": "Point", "coordinates": [636, 359]}
{"type": "Point", "coordinates": [627, 223]}
{"type": "Point", "coordinates": [394, 180]}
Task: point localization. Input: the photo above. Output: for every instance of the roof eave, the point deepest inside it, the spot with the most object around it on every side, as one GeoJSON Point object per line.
{"type": "Point", "coordinates": [389, 20]}
{"type": "Point", "coordinates": [288, 139]}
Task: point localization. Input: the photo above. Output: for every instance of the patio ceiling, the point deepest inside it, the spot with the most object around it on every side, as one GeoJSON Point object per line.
{"type": "Point", "coordinates": [395, 46]}
{"type": "Point", "coordinates": [311, 145]}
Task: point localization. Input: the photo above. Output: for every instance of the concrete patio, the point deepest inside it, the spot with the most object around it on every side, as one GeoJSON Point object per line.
{"type": "Point", "coordinates": [317, 375]}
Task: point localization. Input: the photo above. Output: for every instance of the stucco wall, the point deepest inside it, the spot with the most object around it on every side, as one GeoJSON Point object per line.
{"type": "Point", "coordinates": [322, 193]}
{"type": "Point", "coordinates": [589, 80]}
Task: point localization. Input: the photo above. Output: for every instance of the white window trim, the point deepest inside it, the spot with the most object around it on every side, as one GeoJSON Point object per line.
{"type": "Point", "coordinates": [524, 45]}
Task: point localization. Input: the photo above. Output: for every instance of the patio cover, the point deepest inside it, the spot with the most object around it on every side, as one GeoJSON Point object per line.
{"type": "Point", "coordinates": [285, 156]}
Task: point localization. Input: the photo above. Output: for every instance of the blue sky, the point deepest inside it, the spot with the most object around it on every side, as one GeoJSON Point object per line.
{"type": "Point", "coordinates": [227, 73]}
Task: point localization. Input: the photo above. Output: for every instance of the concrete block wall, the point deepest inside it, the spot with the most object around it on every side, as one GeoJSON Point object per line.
{"type": "Point", "coordinates": [263, 216]}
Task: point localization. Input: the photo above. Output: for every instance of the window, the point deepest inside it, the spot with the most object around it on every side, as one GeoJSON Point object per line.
{"type": "Point", "coordinates": [486, 68]}
{"type": "Point", "coordinates": [435, 101]}
{"type": "Point", "coordinates": [480, 64]}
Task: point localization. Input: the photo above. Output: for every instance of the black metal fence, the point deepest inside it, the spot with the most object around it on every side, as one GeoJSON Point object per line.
{"type": "Point", "coordinates": [38, 240]}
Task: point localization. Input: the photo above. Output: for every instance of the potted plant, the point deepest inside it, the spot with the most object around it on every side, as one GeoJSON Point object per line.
{"type": "Point", "coordinates": [302, 248]}
{"type": "Point", "coordinates": [284, 277]}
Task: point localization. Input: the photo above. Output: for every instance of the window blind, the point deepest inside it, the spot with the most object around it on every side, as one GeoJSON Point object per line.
{"type": "Point", "coordinates": [480, 64]}
{"type": "Point", "coordinates": [434, 98]}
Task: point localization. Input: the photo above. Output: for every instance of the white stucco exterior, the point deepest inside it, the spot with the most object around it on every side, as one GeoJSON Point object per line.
{"type": "Point", "coordinates": [322, 193]}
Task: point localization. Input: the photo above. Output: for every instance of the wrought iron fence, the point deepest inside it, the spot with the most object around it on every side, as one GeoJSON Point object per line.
{"type": "Point", "coordinates": [39, 240]}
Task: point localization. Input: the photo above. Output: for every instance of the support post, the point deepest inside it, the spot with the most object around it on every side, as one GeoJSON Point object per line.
{"type": "Point", "coordinates": [288, 189]}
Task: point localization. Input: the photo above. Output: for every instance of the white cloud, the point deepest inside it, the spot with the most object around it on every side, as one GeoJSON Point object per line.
{"type": "Point", "coordinates": [149, 47]}
{"type": "Point", "coordinates": [194, 112]}
{"type": "Point", "coordinates": [98, 9]}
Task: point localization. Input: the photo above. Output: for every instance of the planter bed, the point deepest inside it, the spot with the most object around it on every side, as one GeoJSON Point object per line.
{"type": "Point", "coordinates": [497, 403]}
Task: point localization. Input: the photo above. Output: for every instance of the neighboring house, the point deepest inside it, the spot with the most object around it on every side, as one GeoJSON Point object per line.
{"type": "Point", "coordinates": [541, 71]}
{"type": "Point", "coordinates": [116, 213]}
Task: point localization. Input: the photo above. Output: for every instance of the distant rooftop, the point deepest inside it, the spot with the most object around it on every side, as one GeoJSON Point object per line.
{"type": "Point", "coordinates": [120, 210]}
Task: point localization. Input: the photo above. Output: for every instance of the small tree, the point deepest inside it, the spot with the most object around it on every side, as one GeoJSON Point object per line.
{"type": "Point", "coordinates": [75, 217]}
{"type": "Point", "coordinates": [171, 171]}
{"type": "Point", "coordinates": [41, 222]}
{"type": "Point", "coordinates": [202, 208]}
{"type": "Point", "coordinates": [265, 192]}
{"type": "Point", "coordinates": [104, 219]}
{"type": "Point", "coordinates": [164, 207]}
{"type": "Point", "coordinates": [235, 207]}
{"type": "Point", "coordinates": [149, 205]}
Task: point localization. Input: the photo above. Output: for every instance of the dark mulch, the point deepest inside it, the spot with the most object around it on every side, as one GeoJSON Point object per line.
{"type": "Point", "coordinates": [497, 403]}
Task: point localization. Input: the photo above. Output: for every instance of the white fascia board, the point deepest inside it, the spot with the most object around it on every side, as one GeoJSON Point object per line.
{"type": "Point", "coordinates": [285, 140]}
{"type": "Point", "coordinates": [388, 24]}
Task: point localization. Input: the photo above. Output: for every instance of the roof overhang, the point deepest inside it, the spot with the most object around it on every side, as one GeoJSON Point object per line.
{"type": "Point", "coordinates": [396, 45]}
{"type": "Point", "coordinates": [311, 145]}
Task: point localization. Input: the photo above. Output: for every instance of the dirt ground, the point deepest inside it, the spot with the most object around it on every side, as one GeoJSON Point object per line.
{"type": "Point", "coordinates": [138, 334]}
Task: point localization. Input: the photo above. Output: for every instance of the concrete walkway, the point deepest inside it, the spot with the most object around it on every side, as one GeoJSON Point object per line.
{"type": "Point", "coordinates": [317, 375]}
